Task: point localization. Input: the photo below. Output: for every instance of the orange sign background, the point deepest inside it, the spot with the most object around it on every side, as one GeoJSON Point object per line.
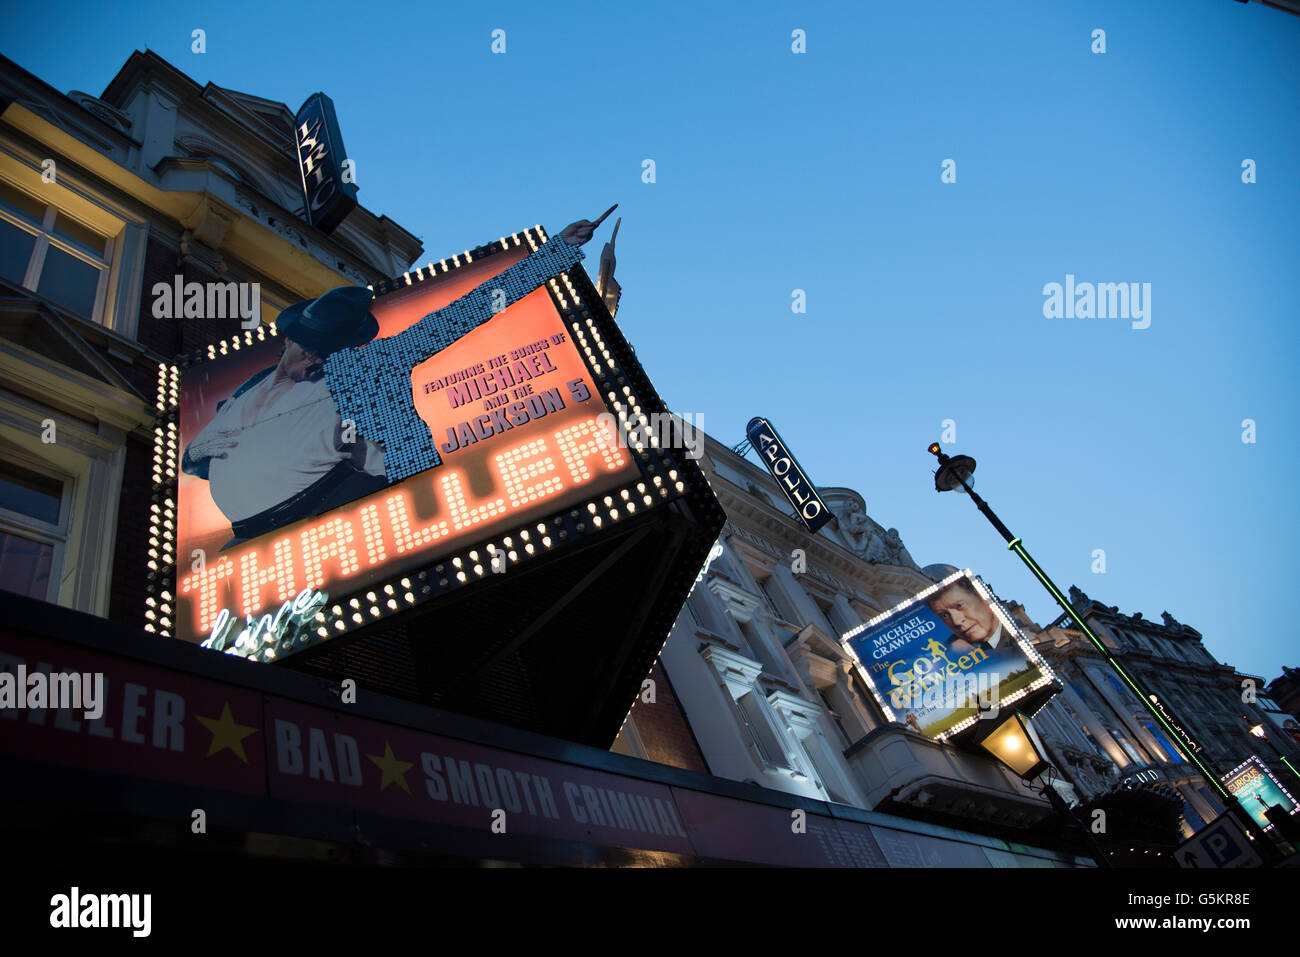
{"type": "Point", "coordinates": [540, 451]}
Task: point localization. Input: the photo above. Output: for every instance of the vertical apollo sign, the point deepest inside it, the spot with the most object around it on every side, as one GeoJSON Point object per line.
{"type": "Point", "coordinates": [327, 195]}
{"type": "Point", "coordinates": [794, 482]}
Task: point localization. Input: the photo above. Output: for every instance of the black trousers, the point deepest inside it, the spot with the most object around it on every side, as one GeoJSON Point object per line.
{"type": "Point", "coordinates": [341, 484]}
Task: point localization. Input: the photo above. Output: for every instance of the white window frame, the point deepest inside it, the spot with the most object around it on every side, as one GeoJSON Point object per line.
{"type": "Point", "coordinates": [46, 237]}
{"type": "Point", "coordinates": [35, 530]}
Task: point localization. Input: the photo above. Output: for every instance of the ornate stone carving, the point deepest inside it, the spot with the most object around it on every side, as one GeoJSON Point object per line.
{"type": "Point", "coordinates": [865, 539]}
{"type": "Point", "coordinates": [101, 110]}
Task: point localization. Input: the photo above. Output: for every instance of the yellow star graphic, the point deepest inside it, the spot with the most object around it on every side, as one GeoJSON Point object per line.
{"type": "Point", "coordinates": [394, 770]}
{"type": "Point", "coordinates": [226, 733]}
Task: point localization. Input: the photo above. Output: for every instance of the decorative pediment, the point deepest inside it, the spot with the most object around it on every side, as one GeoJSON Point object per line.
{"type": "Point", "coordinates": [742, 605]}
{"type": "Point", "coordinates": [101, 110]}
{"type": "Point", "coordinates": [817, 657]}
{"type": "Point", "coordinates": [275, 115]}
{"type": "Point", "coordinates": [36, 327]}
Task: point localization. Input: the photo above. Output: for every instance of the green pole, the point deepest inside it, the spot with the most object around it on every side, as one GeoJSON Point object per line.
{"type": "Point", "coordinates": [1163, 714]}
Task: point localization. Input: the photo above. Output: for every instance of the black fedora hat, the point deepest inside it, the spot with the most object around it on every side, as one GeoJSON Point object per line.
{"type": "Point", "coordinates": [332, 321]}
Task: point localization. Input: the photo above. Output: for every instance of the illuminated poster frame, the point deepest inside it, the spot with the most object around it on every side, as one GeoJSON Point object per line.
{"type": "Point", "coordinates": [308, 619]}
{"type": "Point", "coordinates": [1235, 781]}
{"type": "Point", "coordinates": [901, 619]}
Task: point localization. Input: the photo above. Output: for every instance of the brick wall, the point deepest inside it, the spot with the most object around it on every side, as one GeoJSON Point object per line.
{"type": "Point", "coordinates": [663, 729]}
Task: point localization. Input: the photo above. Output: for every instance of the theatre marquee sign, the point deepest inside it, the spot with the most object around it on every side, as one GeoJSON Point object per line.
{"type": "Point", "coordinates": [507, 455]}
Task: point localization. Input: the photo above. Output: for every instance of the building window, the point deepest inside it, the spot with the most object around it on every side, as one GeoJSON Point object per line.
{"type": "Point", "coordinates": [45, 250]}
{"type": "Point", "coordinates": [1120, 690]}
{"type": "Point", "coordinates": [1088, 736]}
{"type": "Point", "coordinates": [33, 530]}
{"type": "Point", "coordinates": [760, 730]}
{"type": "Point", "coordinates": [1171, 750]}
{"type": "Point", "coordinates": [765, 586]}
{"type": "Point", "coordinates": [1127, 745]}
{"type": "Point", "coordinates": [1211, 799]}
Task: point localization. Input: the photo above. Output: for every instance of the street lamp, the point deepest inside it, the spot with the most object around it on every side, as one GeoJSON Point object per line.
{"type": "Point", "coordinates": [1015, 743]}
{"type": "Point", "coordinates": [954, 474]}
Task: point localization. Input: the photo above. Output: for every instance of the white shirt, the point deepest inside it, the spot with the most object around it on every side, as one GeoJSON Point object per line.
{"type": "Point", "coordinates": [284, 433]}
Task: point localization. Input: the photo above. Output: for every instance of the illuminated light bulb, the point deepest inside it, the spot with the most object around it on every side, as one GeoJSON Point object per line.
{"type": "Point", "coordinates": [370, 597]}
{"type": "Point", "coordinates": [529, 548]}
{"type": "Point", "coordinates": [460, 577]}
{"type": "Point", "coordinates": [406, 583]}
{"type": "Point", "coordinates": [392, 603]}
{"type": "Point", "coordinates": [456, 561]}
{"type": "Point", "coordinates": [546, 541]}
{"type": "Point", "coordinates": [410, 599]}
{"type": "Point", "coordinates": [337, 610]}
{"type": "Point", "coordinates": [388, 589]}
{"type": "Point", "coordinates": [323, 632]}
{"type": "Point", "coordinates": [374, 611]}
{"type": "Point", "coordinates": [354, 603]}
{"type": "Point", "coordinates": [680, 487]}
{"type": "Point", "coordinates": [338, 624]}
{"type": "Point", "coordinates": [596, 521]}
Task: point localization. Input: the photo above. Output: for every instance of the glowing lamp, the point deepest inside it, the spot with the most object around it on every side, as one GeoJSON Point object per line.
{"type": "Point", "coordinates": [1015, 743]}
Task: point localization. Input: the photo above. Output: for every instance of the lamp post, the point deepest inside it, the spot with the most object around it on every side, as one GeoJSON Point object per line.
{"type": "Point", "coordinates": [1015, 743]}
{"type": "Point", "coordinates": [954, 474]}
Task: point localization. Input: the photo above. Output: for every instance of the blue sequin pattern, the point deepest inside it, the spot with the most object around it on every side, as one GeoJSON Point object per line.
{"type": "Point", "coordinates": [371, 384]}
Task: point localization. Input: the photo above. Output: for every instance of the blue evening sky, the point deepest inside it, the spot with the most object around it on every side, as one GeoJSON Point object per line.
{"type": "Point", "coordinates": [821, 171]}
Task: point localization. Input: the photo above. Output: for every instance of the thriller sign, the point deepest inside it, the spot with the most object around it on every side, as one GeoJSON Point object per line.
{"type": "Point", "coordinates": [511, 407]}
